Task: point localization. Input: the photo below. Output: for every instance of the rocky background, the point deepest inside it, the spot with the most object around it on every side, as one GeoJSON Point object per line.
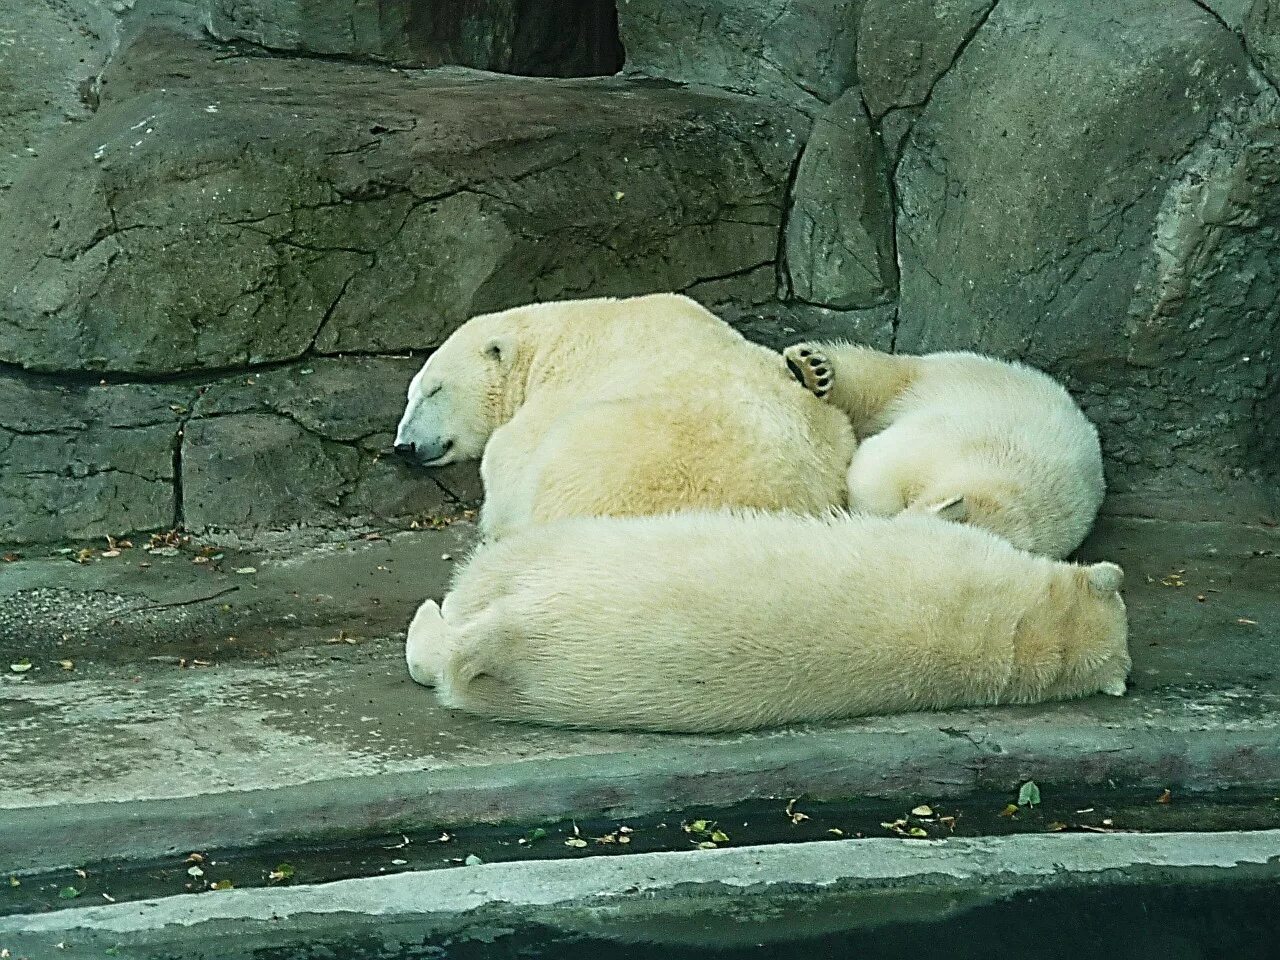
{"type": "Point", "coordinates": [231, 229]}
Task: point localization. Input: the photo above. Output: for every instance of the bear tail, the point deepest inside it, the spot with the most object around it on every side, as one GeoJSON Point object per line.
{"type": "Point", "coordinates": [1105, 578]}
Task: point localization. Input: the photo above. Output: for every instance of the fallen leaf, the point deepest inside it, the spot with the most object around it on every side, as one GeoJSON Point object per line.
{"type": "Point", "coordinates": [472, 860]}
{"type": "Point", "coordinates": [85, 555]}
{"type": "Point", "coordinates": [22, 666]}
{"type": "Point", "coordinates": [575, 842]}
{"type": "Point", "coordinates": [1166, 797]}
{"type": "Point", "coordinates": [533, 836]}
{"type": "Point", "coordinates": [111, 553]}
{"type": "Point", "coordinates": [1056, 826]}
{"type": "Point", "coordinates": [246, 570]}
{"type": "Point", "coordinates": [795, 815]}
{"type": "Point", "coordinates": [194, 872]}
{"type": "Point", "coordinates": [398, 862]}
{"type": "Point", "coordinates": [81, 873]}
{"type": "Point", "coordinates": [707, 845]}
{"type": "Point", "coordinates": [283, 871]}
{"type": "Point", "coordinates": [918, 832]}
{"type": "Point", "coordinates": [68, 893]}
{"type": "Point", "coordinates": [924, 810]}
{"type": "Point", "coordinates": [719, 836]}
{"type": "Point", "coordinates": [836, 831]}
{"type": "Point", "coordinates": [12, 557]}
{"type": "Point", "coordinates": [698, 826]}
{"type": "Point", "coordinates": [624, 839]}
{"type": "Point", "coordinates": [1009, 810]}
{"type": "Point", "coordinates": [15, 882]}
{"type": "Point", "coordinates": [221, 885]}
{"type": "Point", "coordinates": [66, 664]}
{"type": "Point", "coordinates": [194, 858]}
{"type": "Point", "coordinates": [1029, 794]}
{"type": "Point", "coordinates": [1108, 822]}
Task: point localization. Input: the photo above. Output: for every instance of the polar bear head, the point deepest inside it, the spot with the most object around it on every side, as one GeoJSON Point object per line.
{"type": "Point", "coordinates": [460, 396]}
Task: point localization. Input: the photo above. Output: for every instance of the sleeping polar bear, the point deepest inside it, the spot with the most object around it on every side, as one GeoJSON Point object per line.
{"type": "Point", "coordinates": [704, 622]}
{"type": "Point", "coordinates": [971, 438]}
{"type": "Point", "coordinates": [622, 407]}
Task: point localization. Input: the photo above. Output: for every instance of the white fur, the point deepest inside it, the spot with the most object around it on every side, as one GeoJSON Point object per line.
{"type": "Point", "coordinates": [721, 621]}
{"type": "Point", "coordinates": [999, 445]}
{"type": "Point", "coordinates": [623, 407]}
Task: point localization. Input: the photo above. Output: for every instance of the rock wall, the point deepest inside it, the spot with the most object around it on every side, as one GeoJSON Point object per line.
{"type": "Point", "coordinates": [229, 232]}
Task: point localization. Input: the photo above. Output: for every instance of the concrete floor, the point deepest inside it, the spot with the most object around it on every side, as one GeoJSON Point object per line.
{"type": "Point", "coordinates": [207, 707]}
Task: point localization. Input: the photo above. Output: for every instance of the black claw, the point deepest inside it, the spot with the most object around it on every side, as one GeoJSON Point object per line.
{"type": "Point", "coordinates": [795, 371]}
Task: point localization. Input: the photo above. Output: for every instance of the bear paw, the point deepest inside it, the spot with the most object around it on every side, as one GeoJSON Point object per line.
{"type": "Point", "coordinates": [423, 649]}
{"type": "Point", "coordinates": [811, 367]}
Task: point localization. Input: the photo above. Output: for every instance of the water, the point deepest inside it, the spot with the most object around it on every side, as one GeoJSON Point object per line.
{"type": "Point", "coordinates": [1235, 921]}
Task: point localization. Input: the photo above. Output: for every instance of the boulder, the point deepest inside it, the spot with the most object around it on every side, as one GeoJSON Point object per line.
{"type": "Point", "coordinates": [1093, 188]}
{"type": "Point", "coordinates": [799, 51]}
{"type": "Point", "coordinates": [51, 54]}
{"type": "Point", "coordinates": [224, 210]}
{"type": "Point", "coordinates": [838, 244]}
{"type": "Point", "coordinates": [1261, 28]}
{"type": "Point", "coordinates": [904, 46]}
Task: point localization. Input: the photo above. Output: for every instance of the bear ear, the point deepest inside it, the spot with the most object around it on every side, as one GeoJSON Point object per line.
{"type": "Point", "coordinates": [1105, 578]}
{"type": "Point", "coordinates": [954, 509]}
{"type": "Point", "coordinates": [500, 348]}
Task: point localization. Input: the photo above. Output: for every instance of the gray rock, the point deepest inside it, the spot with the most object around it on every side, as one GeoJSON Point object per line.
{"type": "Point", "coordinates": [51, 54]}
{"type": "Point", "coordinates": [801, 51]}
{"type": "Point", "coordinates": [575, 38]}
{"type": "Point", "coordinates": [303, 444]}
{"type": "Point", "coordinates": [1092, 188]}
{"type": "Point", "coordinates": [838, 246]}
{"type": "Point", "coordinates": [1262, 37]}
{"type": "Point", "coordinates": [85, 462]}
{"type": "Point", "coordinates": [226, 211]}
{"type": "Point", "coordinates": [778, 325]}
{"type": "Point", "coordinates": [1232, 12]}
{"type": "Point", "coordinates": [904, 46]}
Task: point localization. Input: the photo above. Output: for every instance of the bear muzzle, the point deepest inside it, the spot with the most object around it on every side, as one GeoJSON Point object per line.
{"type": "Point", "coordinates": [424, 454]}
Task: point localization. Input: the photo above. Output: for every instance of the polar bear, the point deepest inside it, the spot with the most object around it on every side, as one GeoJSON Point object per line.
{"type": "Point", "coordinates": [689, 622]}
{"type": "Point", "coordinates": [622, 407]}
{"type": "Point", "coordinates": [968, 437]}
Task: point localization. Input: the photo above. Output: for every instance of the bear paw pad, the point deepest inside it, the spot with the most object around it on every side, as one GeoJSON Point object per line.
{"type": "Point", "coordinates": [811, 367]}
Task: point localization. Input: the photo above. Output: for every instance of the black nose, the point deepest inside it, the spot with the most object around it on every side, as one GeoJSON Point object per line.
{"type": "Point", "coordinates": [406, 449]}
